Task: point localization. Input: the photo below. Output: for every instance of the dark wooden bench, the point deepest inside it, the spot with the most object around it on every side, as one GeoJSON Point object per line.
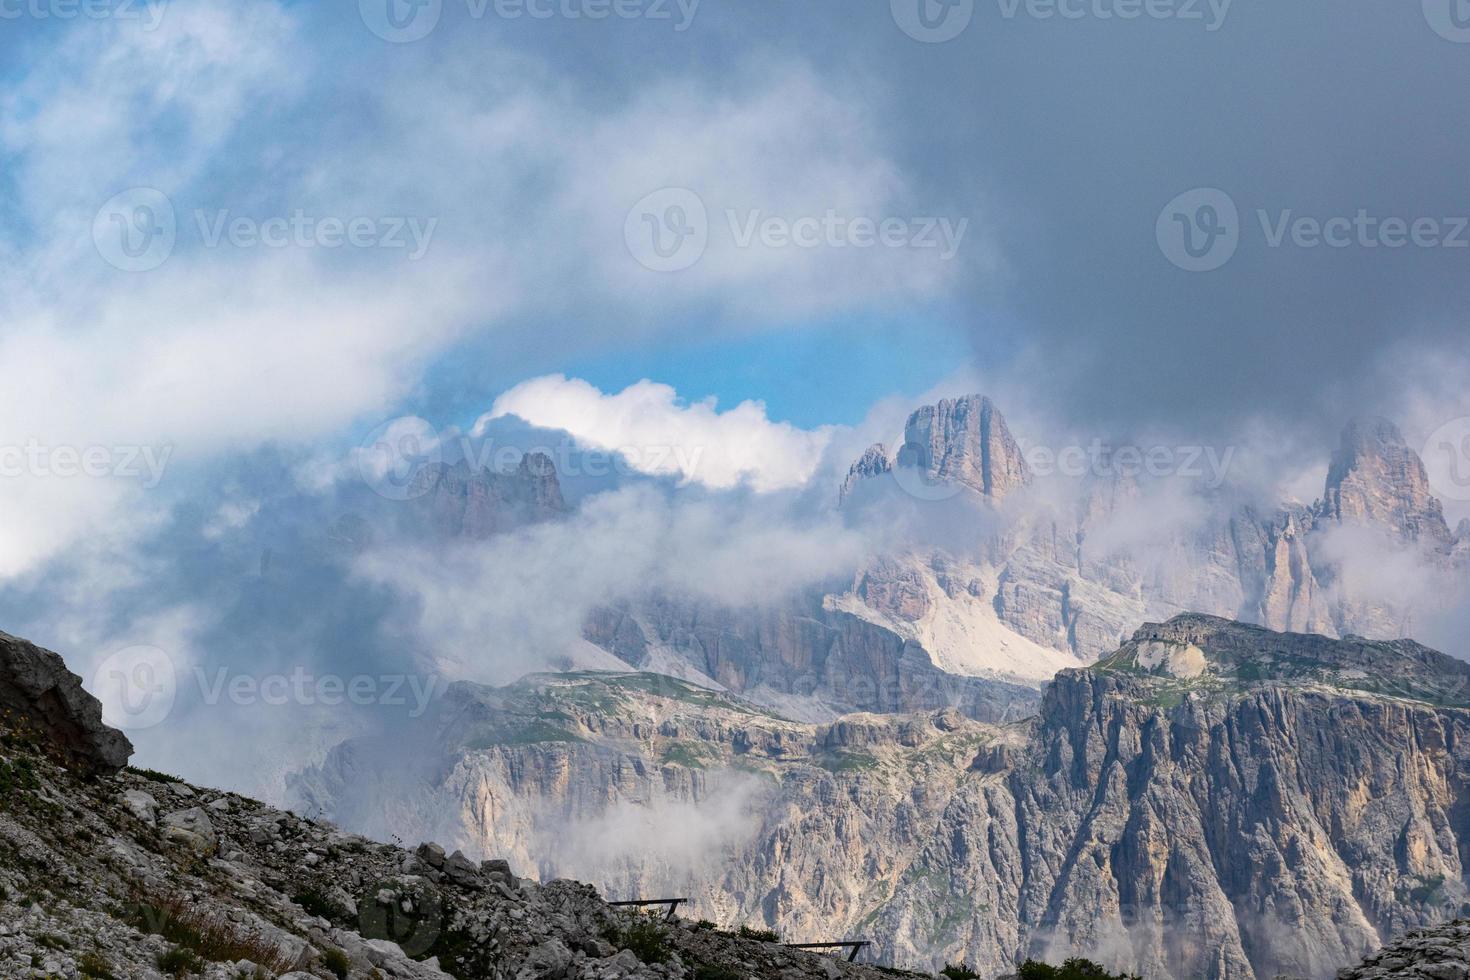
{"type": "Point", "coordinates": [855, 945]}
{"type": "Point", "coordinates": [672, 903]}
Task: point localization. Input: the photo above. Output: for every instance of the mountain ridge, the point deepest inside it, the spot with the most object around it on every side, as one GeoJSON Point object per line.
{"type": "Point", "coordinates": [1229, 827]}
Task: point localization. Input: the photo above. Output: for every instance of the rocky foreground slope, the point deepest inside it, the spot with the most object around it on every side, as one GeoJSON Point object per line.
{"type": "Point", "coordinates": [1440, 953]}
{"type": "Point", "coordinates": [1213, 800]}
{"type": "Point", "coordinates": [131, 875]}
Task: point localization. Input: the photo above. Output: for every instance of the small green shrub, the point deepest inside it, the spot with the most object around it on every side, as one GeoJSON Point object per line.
{"type": "Point", "coordinates": [647, 941]}
{"type": "Point", "coordinates": [316, 903]}
{"type": "Point", "coordinates": [94, 967]}
{"type": "Point", "coordinates": [759, 935]}
{"type": "Point", "coordinates": [959, 971]}
{"type": "Point", "coordinates": [337, 963]}
{"type": "Point", "coordinates": [180, 962]}
{"type": "Point", "coordinates": [18, 778]}
{"type": "Point", "coordinates": [206, 935]}
{"type": "Point", "coordinates": [154, 775]}
{"type": "Point", "coordinates": [1073, 969]}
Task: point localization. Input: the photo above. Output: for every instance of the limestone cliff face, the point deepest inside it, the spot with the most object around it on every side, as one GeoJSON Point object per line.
{"type": "Point", "coordinates": [1039, 586]}
{"type": "Point", "coordinates": [965, 441]}
{"type": "Point", "coordinates": [1212, 800]}
{"type": "Point", "coordinates": [1376, 478]}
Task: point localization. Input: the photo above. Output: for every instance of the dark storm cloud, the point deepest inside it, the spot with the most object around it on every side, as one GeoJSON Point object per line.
{"type": "Point", "coordinates": [1067, 136]}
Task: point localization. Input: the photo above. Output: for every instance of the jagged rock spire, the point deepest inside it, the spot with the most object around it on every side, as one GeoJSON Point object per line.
{"type": "Point", "coordinates": [1375, 478]}
{"type": "Point", "coordinates": [965, 440]}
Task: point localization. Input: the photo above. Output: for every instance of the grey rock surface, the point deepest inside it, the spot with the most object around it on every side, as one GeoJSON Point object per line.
{"type": "Point", "coordinates": [38, 693]}
{"type": "Point", "coordinates": [874, 462]}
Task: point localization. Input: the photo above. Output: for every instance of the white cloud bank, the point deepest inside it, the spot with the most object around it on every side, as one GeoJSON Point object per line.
{"type": "Point", "coordinates": [661, 435]}
{"type": "Point", "coordinates": [222, 348]}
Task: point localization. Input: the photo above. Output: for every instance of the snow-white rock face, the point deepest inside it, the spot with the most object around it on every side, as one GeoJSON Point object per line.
{"type": "Point", "coordinates": [1182, 660]}
{"type": "Point", "coordinates": [947, 606]}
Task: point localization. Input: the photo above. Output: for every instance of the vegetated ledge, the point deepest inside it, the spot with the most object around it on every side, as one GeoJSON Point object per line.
{"type": "Point", "coordinates": [1210, 655]}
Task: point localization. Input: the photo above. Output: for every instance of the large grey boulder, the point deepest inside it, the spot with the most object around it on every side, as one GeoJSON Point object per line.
{"type": "Point", "coordinates": [191, 829]}
{"type": "Point", "coordinates": [38, 693]}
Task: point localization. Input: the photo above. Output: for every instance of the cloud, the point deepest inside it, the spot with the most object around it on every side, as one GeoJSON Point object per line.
{"type": "Point", "coordinates": [791, 150]}
{"type": "Point", "coordinates": [236, 114]}
{"type": "Point", "coordinates": [659, 434]}
{"type": "Point", "coordinates": [494, 610]}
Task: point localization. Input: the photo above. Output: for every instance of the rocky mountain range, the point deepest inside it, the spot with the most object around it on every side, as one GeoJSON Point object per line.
{"type": "Point", "coordinates": [1213, 800]}
{"type": "Point", "coordinates": [1034, 580]}
{"type": "Point", "coordinates": [1056, 576]}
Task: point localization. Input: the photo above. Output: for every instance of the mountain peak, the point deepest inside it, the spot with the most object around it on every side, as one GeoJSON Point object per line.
{"type": "Point", "coordinates": [966, 441]}
{"type": "Point", "coordinates": [873, 462]}
{"type": "Point", "coordinates": [1376, 478]}
{"type": "Point", "coordinates": [462, 501]}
